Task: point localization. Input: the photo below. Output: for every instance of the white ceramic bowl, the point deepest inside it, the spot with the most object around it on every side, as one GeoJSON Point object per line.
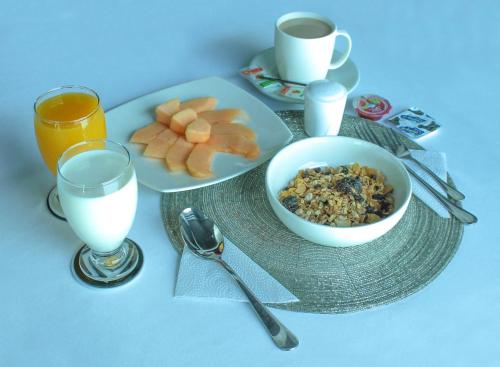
{"type": "Point", "coordinates": [335, 151]}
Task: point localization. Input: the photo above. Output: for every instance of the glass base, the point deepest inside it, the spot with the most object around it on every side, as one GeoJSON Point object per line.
{"type": "Point", "coordinates": [110, 269]}
{"type": "Point", "coordinates": [54, 204]}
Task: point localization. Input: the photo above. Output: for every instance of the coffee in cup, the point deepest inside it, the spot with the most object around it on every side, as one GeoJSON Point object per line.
{"type": "Point", "coordinates": [304, 44]}
{"type": "Point", "coordinates": [305, 28]}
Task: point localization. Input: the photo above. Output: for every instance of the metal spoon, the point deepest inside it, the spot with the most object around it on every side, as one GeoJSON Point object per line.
{"type": "Point", "coordinates": [203, 238]}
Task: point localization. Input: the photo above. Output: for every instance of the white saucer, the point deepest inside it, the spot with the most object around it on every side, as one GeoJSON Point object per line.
{"type": "Point", "coordinates": [347, 74]}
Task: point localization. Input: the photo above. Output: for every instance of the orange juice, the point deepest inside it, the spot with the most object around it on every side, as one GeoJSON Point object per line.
{"type": "Point", "coordinates": [64, 120]}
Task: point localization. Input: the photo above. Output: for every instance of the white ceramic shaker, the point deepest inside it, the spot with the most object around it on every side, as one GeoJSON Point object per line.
{"type": "Point", "coordinates": [324, 103]}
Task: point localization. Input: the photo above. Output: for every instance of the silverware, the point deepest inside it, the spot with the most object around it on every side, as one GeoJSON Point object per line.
{"type": "Point", "coordinates": [202, 236]}
{"type": "Point", "coordinates": [461, 214]}
{"type": "Point", "coordinates": [279, 80]}
{"type": "Point", "coordinates": [402, 151]}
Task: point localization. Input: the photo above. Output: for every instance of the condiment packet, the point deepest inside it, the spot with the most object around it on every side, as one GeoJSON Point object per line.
{"type": "Point", "coordinates": [371, 107]}
{"type": "Point", "coordinates": [413, 123]}
{"type": "Point", "coordinates": [252, 73]}
{"type": "Point", "coordinates": [293, 91]}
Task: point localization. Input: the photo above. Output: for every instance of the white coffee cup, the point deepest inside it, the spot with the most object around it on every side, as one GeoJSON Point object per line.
{"type": "Point", "coordinates": [304, 44]}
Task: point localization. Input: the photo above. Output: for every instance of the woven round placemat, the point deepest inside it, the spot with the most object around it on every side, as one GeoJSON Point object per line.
{"type": "Point", "coordinates": [325, 279]}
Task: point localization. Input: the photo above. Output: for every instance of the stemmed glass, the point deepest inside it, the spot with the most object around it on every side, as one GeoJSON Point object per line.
{"type": "Point", "coordinates": [65, 116]}
{"type": "Point", "coordinates": [97, 189]}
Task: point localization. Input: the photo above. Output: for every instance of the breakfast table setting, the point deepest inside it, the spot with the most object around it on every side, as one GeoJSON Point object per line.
{"type": "Point", "coordinates": [233, 184]}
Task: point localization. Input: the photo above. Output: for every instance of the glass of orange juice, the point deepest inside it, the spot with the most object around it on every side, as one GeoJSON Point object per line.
{"type": "Point", "coordinates": [65, 116]}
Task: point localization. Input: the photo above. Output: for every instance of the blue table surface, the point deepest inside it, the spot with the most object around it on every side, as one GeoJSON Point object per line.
{"type": "Point", "coordinates": [441, 56]}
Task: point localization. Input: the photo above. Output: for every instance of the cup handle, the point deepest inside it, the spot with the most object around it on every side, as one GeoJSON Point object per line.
{"type": "Point", "coordinates": [343, 58]}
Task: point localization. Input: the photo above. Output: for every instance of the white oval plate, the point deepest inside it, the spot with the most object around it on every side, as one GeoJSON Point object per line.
{"type": "Point", "coordinates": [122, 121]}
{"type": "Point", "coordinates": [347, 74]}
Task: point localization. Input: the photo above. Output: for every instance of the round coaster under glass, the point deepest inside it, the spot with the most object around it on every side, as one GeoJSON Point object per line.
{"type": "Point", "coordinates": [54, 205]}
{"type": "Point", "coordinates": [325, 279]}
{"type": "Point", "coordinates": [108, 269]}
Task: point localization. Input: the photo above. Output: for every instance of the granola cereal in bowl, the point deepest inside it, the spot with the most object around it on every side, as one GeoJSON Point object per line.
{"type": "Point", "coordinates": [337, 191]}
{"type": "Point", "coordinates": [345, 196]}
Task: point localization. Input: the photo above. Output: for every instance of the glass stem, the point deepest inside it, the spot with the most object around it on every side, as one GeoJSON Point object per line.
{"type": "Point", "coordinates": [110, 260]}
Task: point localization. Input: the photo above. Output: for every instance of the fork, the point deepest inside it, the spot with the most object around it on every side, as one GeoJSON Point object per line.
{"type": "Point", "coordinates": [461, 214]}
{"type": "Point", "coordinates": [402, 151]}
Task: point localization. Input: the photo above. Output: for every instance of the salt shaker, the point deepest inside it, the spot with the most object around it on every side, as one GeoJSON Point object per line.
{"type": "Point", "coordinates": [324, 103]}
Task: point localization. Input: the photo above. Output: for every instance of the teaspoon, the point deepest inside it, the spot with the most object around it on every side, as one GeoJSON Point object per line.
{"type": "Point", "coordinates": [202, 236]}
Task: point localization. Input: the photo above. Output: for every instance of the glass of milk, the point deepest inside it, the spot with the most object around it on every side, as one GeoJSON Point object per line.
{"type": "Point", "coordinates": [97, 188]}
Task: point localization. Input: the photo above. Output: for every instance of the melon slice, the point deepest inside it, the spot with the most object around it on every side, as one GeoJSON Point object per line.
{"type": "Point", "coordinates": [225, 115]}
{"type": "Point", "coordinates": [200, 104]}
{"type": "Point", "coordinates": [158, 147]}
{"type": "Point", "coordinates": [147, 133]}
{"type": "Point", "coordinates": [236, 144]}
{"type": "Point", "coordinates": [166, 110]}
{"type": "Point", "coordinates": [178, 154]}
{"type": "Point", "coordinates": [198, 131]}
{"type": "Point", "coordinates": [181, 119]}
{"type": "Point", "coordinates": [199, 162]}
{"type": "Point", "coordinates": [224, 128]}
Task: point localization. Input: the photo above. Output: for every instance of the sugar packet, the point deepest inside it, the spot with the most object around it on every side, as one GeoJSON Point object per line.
{"type": "Point", "coordinates": [293, 91]}
{"type": "Point", "coordinates": [252, 75]}
{"type": "Point", "coordinates": [413, 123]}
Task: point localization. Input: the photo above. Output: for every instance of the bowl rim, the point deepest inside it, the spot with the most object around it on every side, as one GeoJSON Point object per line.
{"type": "Point", "coordinates": [403, 206]}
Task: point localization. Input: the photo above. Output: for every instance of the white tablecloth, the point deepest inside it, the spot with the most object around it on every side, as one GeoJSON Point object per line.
{"type": "Point", "coordinates": [441, 56]}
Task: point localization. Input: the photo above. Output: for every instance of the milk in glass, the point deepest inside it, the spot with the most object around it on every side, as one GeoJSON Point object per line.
{"type": "Point", "coordinates": [99, 197]}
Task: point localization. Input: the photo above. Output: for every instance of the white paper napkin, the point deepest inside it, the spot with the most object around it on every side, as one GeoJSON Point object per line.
{"type": "Point", "coordinates": [436, 161]}
{"type": "Point", "coordinates": [207, 279]}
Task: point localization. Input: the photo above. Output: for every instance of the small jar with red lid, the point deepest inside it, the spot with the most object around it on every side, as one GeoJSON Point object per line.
{"type": "Point", "coordinates": [371, 107]}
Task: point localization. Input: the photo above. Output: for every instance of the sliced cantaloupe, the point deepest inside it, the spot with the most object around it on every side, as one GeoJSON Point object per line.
{"type": "Point", "coordinates": [158, 147]}
{"type": "Point", "coordinates": [236, 144]}
{"type": "Point", "coordinates": [200, 104]}
{"type": "Point", "coordinates": [181, 119]}
{"type": "Point", "coordinates": [178, 154]}
{"type": "Point", "coordinates": [198, 131]}
{"type": "Point", "coordinates": [166, 110]}
{"type": "Point", "coordinates": [189, 134]}
{"type": "Point", "coordinates": [252, 150]}
{"type": "Point", "coordinates": [224, 128]}
{"type": "Point", "coordinates": [147, 133]}
{"type": "Point", "coordinates": [200, 159]}
{"type": "Point", "coordinates": [225, 115]}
